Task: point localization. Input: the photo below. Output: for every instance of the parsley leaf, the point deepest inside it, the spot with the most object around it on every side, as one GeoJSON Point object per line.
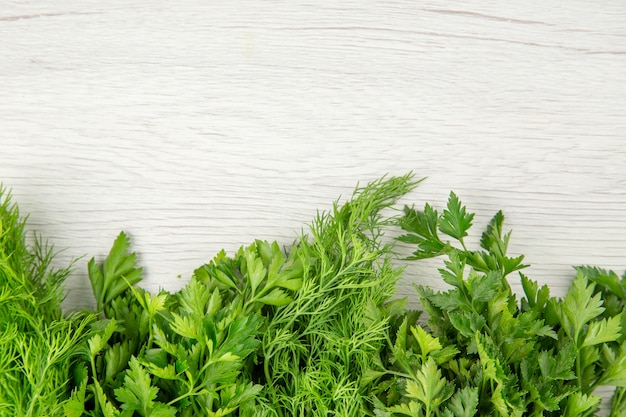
{"type": "Point", "coordinates": [455, 221]}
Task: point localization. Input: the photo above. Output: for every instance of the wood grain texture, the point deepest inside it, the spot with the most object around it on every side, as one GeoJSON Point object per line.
{"type": "Point", "coordinates": [197, 125]}
{"type": "Point", "coordinates": [201, 125]}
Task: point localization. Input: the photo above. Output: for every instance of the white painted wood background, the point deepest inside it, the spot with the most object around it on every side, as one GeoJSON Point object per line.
{"type": "Point", "coordinates": [200, 125]}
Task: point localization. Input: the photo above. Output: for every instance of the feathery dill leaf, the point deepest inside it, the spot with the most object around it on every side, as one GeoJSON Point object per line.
{"type": "Point", "coordinates": [39, 343]}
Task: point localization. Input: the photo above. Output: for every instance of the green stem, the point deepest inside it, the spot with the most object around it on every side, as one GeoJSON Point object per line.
{"type": "Point", "coordinates": [183, 396]}
{"type": "Point", "coordinates": [618, 403]}
{"type": "Point", "coordinates": [95, 377]}
{"type": "Point", "coordinates": [33, 401]}
{"type": "Point", "coordinates": [579, 375]}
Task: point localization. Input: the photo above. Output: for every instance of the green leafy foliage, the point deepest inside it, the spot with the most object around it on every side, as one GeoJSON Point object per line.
{"type": "Point", "coordinates": [455, 221]}
{"type": "Point", "coordinates": [39, 343]}
{"type": "Point", "coordinates": [321, 351]}
{"type": "Point", "coordinates": [313, 329]}
{"type": "Point", "coordinates": [538, 356]}
{"type": "Point", "coordinates": [173, 354]}
{"type": "Point", "coordinates": [267, 331]}
{"type": "Point", "coordinates": [116, 275]}
{"type": "Point", "coordinates": [138, 394]}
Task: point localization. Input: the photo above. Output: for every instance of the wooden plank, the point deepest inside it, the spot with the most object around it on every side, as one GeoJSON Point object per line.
{"type": "Point", "coordinates": [197, 126]}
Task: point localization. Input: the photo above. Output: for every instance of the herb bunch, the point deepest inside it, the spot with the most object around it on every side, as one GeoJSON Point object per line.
{"type": "Point", "coordinates": [39, 343]}
{"type": "Point", "coordinates": [486, 353]}
{"type": "Point", "coordinates": [266, 332]}
{"type": "Point", "coordinates": [320, 351]}
{"type": "Point", "coordinates": [313, 329]}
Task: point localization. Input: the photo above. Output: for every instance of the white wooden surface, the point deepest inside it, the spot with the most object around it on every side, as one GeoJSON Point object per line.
{"type": "Point", "coordinates": [200, 125]}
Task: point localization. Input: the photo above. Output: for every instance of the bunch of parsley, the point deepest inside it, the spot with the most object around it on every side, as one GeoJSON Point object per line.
{"type": "Point", "coordinates": [485, 352]}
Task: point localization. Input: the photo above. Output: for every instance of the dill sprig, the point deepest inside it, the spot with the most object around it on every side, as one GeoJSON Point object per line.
{"type": "Point", "coordinates": [319, 351]}
{"type": "Point", "coordinates": [39, 343]}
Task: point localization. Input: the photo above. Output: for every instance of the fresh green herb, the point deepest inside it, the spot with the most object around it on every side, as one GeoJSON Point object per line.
{"type": "Point", "coordinates": [265, 332]}
{"type": "Point", "coordinates": [321, 352]}
{"type": "Point", "coordinates": [39, 343]}
{"type": "Point", "coordinates": [313, 329]}
{"type": "Point", "coordinates": [540, 356]}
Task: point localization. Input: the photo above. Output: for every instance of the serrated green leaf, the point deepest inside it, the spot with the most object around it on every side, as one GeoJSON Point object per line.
{"type": "Point", "coordinates": [193, 297]}
{"type": "Point", "coordinates": [605, 278]}
{"type": "Point", "coordinates": [429, 386]}
{"type": "Point", "coordinates": [276, 297]}
{"type": "Point", "coordinates": [423, 226]}
{"type": "Point", "coordinates": [579, 404]}
{"type": "Point", "coordinates": [116, 359]}
{"type": "Point", "coordinates": [75, 405]}
{"type": "Point", "coordinates": [241, 337]}
{"type": "Point", "coordinates": [411, 239]}
{"type": "Point", "coordinates": [224, 278]}
{"type": "Point", "coordinates": [426, 342]}
{"type": "Point", "coordinates": [467, 323]}
{"type": "Point", "coordinates": [492, 236]}
{"type": "Point", "coordinates": [163, 410]}
{"type": "Point", "coordinates": [168, 372]}
{"type": "Point", "coordinates": [455, 221]}
{"type": "Point", "coordinates": [447, 301]}
{"type": "Point", "coordinates": [117, 260]}
{"type": "Point", "coordinates": [155, 355]}
{"type": "Point", "coordinates": [615, 373]}
{"type": "Point", "coordinates": [423, 223]}
{"type": "Point", "coordinates": [496, 244]}
{"type": "Point", "coordinates": [455, 270]}
{"type": "Point", "coordinates": [396, 306]}
{"type": "Point", "coordinates": [492, 369]}
{"type": "Point", "coordinates": [535, 298]}
{"type": "Point", "coordinates": [117, 273]}
{"type": "Point", "coordinates": [369, 376]}
{"type": "Point", "coordinates": [274, 258]}
{"type": "Point", "coordinates": [579, 307]}
{"type": "Point", "coordinates": [498, 306]}
{"type": "Point", "coordinates": [255, 269]}
{"type": "Point", "coordinates": [606, 330]}
{"type": "Point", "coordinates": [137, 393]}
{"type": "Point", "coordinates": [559, 367]}
{"type": "Point", "coordinates": [498, 399]}
{"type": "Point", "coordinates": [293, 284]}
{"type": "Point", "coordinates": [509, 264]}
{"type": "Point", "coordinates": [410, 409]}
{"type": "Point", "coordinates": [484, 287]}
{"type": "Point", "coordinates": [380, 409]}
{"type": "Point", "coordinates": [155, 303]}
{"type": "Point", "coordinates": [185, 326]}
{"type": "Point", "coordinates": [98, 342]}
{"type": "Point", "coordinates": [241, 393]}
{"type": "Point", "coordinates": [162, 341]}
{"type": "Point", "coordinates": [444, 355]}
{"type": "Point", "coordinates": [464, 402]}
{"type": "Point", "coordinates": [97, 280]}
{"type": "Point", "coordinates": [267, 251]}
{"type": "Point", "coordinates": [399, 346]}
{"type": "Point", "coordinates": [108, 409]}
{"type": "Point", "coordinates": [587, 359]}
